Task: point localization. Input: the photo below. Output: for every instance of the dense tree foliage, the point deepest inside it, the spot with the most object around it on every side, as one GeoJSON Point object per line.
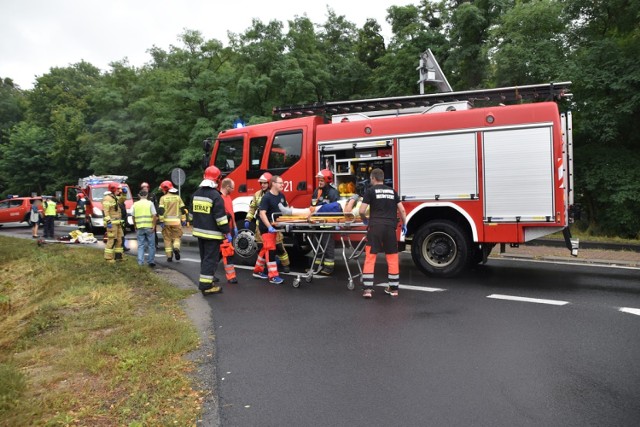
{"type": "Point", "coordinates": [143, 122]}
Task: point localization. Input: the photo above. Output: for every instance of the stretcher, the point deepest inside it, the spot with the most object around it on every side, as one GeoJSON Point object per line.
{"type": "Point", "coordinates": [318, 229]}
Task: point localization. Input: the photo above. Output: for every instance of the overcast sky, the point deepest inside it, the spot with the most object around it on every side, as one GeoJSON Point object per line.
{"type": "Point", "coordinates": [36, 35]}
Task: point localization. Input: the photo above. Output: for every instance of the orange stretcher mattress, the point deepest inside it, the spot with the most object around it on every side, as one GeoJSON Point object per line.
{"type": "Point", "coordinates": [316, 218]}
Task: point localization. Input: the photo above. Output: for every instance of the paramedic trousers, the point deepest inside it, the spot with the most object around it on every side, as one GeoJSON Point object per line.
{"type": "Point", "coordinates": [209, 259]}
{"type": "Point", "coordinates": [171, 235]}
{"type": "Point", "coordinates": [280, 249]}
{"type": "Point", "coordinates": [49, 221]}
{"type": "Point", "coordinates": [381, 239]}
{"type": "Point", "coordinates": [113, 249]}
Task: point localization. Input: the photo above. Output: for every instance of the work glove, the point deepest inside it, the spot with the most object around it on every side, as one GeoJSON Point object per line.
{"type": "Point", "coordinates": [235, 231]}
{"type": "Point", "coordinates": [124, 190]}
{"type": "Point", "coordinates": [229, 238]}
{"type": "Point", "coordinates": [271, 229]}
{"type": "Point", "coordinates": [404, 230]}
{"type": "Point", "coordinates": [109, 225]}
{"type": "Point", "coordinates": [184, 223]}
{"type": "Point", "coordinates": [247, 224]}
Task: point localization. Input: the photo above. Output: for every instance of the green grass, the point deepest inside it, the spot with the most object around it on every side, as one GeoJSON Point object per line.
{"type": "Point", "coordinates": [91, 344]}
{"type": "Point", "coordinates": [583, 235]}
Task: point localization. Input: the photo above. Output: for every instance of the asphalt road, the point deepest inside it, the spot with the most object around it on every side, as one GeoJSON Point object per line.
{"type": "Point", "coordinates": [444, 353]}
{"type": "Point", "coordinates": [464, 351]}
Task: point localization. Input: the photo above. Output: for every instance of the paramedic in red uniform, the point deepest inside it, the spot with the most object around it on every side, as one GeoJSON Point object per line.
{"type": "Point", "coordinates": [384, 205]}
{"type": "Point", "coordinates": [226, 248]}
{"type": "Point", "coordinates": [267, 256]}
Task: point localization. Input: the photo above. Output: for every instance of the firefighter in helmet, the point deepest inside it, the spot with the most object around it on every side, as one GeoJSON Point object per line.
{"type": "Point", "coordinates": [265, 184]}
{"type": "Point", "coordinates": [324, 195]}
{"type": "Point", "coordinates": [210, 227]}
{"type": "Point", "coordinates": [122, 201]}
{"type": "Point", "coordinates": [113, 250]}
{"type": "Point", "coordinates": [81, 211]}
{"type": "Point", "coordinates": [172, 216]}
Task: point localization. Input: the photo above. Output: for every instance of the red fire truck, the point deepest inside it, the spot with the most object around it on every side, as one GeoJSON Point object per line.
{"type": "Point", "coordinates": [469, 176]}
{"type": "Point", "coordinates": [94, 187]}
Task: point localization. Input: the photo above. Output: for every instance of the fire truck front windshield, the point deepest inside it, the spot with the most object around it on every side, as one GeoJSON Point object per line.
{"type": "Point", "coordinates": [229, 154]}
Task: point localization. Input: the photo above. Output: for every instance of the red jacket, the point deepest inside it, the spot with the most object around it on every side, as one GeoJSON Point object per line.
{"type": "Point", "coordinates": [228, 207]}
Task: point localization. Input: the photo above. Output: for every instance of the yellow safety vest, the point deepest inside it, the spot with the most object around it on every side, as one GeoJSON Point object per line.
{"type": "Point", "coordinates": [49, 208]}
{"type": "Point", "coordinates": [142, 214]}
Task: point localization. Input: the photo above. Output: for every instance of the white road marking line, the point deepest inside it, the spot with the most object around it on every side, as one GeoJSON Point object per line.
{"type": "Point", "coordinates": [414, 288]}
{"type": "Point", "coordinates": [524, 299]}
{"type": "Point", "coordinates": [629, 310]}
{"type": "Point", "coordinates": [560, 262]}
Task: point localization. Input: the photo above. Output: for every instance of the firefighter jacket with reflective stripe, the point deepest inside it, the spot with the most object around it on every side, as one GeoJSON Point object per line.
{"type": "Point", "coordinates": [143, 213]}
{"type": "Point", "coordinates": [81, 207]}
{"type": "Point", "coordinates": [49, 208]}
{"type": "Point", "coordinates": [209, 217]}
{"type": "Point", "coordinates": [112, 211]}
{"type": "Point", "coordinates": [322, 196]}
{"type": "Point", "coordinates": [254, 205]}
{"type": "Point", "coordinates": [171, 209]}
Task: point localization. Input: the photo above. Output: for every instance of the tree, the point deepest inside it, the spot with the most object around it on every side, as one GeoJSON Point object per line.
{"type": "Point", "coordinates": [259, 61]}
{"type": "Point", "coordinates": [415, 29]}
{"type": "Point", "coordinates": [529, 45]}
{"type": "Point", "coordinates": [370, 45]}
{"type": "Point", "coordinates": [606, 76]}
{"type": "Point", "coordinates": [347, 74]}
{"type": "Point", "coordinates": [59, 103]}
{"type": "Point", "coordinates": [24, 161]}
{"type": "Point", "coordinates": [12, 107]}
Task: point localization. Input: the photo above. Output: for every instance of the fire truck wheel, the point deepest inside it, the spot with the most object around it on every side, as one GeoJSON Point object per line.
{"type": "Point", "coordinates": [246, 248]}
{"type": "Point", "coordinates": [440, 248]}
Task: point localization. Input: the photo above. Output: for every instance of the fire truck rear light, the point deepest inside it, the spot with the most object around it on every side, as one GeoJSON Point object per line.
{"type": "Point", "coordinates": [367, 130]}
{"type": "Point", "coordinates": [490, 119]}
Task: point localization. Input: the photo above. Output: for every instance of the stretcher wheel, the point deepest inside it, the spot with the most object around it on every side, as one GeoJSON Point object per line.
{"type": "Point", "coordinates": [296, 282]}
{"type": "Point", "coordinates": [308, 278]}
{"type": "Point", "coordinates": [350, 285]}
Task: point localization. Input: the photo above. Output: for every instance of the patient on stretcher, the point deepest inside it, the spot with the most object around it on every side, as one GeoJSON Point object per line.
{"type": "Point", "coordinates": [350, 205]}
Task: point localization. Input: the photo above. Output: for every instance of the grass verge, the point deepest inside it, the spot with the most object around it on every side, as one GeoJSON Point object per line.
{"type": "Point", "coordinates": [84, 343]}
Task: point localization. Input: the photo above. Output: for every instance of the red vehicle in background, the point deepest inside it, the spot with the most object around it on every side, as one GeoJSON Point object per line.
{"type": "Point", "coordinates": [16, 209]}
{"type": "Point", "coordinates": [94, 187]}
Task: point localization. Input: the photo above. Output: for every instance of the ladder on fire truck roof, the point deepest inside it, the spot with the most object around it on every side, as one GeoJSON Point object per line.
{"type": "Point", "coordinates": [538, 92]}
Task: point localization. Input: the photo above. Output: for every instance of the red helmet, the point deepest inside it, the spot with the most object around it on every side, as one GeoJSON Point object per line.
{"type": "Point", "coordinates": [212, 173]}
{"type": "Point", "coordinates": [166, 185]}
{"type": "Point", "coordinates": [325, 174]}
{"type": "Point", "coordinates": [265, 177]}
{"type": "Point", "coordinates": [144, 184]}
{"type": "Point", "coordinates": [80, 195]}
{"type": "Point", "coordinates": [113, 187]}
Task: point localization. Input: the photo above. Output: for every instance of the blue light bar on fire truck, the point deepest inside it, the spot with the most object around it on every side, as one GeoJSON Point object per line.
{"type": "Point", "coordinates": [101, 179]}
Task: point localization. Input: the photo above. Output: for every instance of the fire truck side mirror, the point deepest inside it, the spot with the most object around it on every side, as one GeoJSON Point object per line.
{"type": "Point", "coordinates": [205, 161]}
{"type": "Point", "coordinates": [206, 145]}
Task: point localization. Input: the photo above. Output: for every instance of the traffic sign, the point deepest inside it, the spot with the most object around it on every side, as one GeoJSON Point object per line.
{"type": "Point", "coordinates": [178, 176]}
